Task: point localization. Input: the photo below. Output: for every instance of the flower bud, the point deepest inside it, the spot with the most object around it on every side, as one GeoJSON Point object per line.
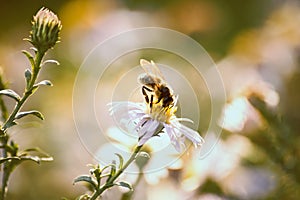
{"type": "Point", "coordinates": [45, 31]}
{"type": "Point", "coordinates": [142, 160]}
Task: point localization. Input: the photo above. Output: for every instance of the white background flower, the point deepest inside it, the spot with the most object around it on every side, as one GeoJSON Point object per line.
{"type": "Point", "coordinates": [162, 155]}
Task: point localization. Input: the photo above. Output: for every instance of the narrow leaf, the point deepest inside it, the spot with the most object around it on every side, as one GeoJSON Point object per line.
{"type": "Point", "coordinates": [2, 160]}
{"type": "Point", "coordinates": [86, 178]}
{"type": "Point", "coordinates": [107, 166]}
{"type": "Point", "coordinates": [37, 150]}
{"type": "Point", "coordinates": [50, 62]}
{"type": "Point", "coordinates": [31, 158]}
{"type": "Point", "coordinates": [124, 184]}
{"type": "Point", "coordinates": [104, 176]}
{"type": "Point", "coordinates": [31, 112]}
{"type": "Point", "coordinates": [121, 160]}
{"type": "Point", "coordinates": [36, 159]}
{"type": "Point", "coordinates": [113, 168]}
{"type": "Point", "coordinates": [44, 82]}
{"type": "Point", "coordinates": [29, 56]}
{"type": "Point", "coordinates": [34, 49]}
{"type": "Point", "coordinates": [10, 93]}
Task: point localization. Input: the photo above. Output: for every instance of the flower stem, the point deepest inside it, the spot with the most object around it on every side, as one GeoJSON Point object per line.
{"type": "Point", "coordinates": [110, 182]}
{"type": "Point", "coordinates": [4, 138]}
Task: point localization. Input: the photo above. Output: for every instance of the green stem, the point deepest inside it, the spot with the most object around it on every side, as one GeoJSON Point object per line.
{"type": "Point", "coordinates": [6, 173]}
{"type": "Point", "coordinates": [38, 59]}
{"type": "Point", "coordinates": [3, 108]}
{"type": "Point", "coordinates": [109, 183]}
{"type": "Point", "coordinates": [7, 166]}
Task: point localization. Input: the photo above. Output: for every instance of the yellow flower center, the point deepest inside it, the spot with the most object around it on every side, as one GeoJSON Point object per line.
{"type": "Point", "coordinates": [160, 113]}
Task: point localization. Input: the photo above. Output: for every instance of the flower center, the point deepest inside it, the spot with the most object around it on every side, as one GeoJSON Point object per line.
{"type": "Point", "coordinates": [160, 113]}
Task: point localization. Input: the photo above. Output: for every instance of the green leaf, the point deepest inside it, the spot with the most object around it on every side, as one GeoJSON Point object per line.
{"type": "Point", "coordinates": [112, 171]}
{"type": "Point", "coordinates": [33, 49]}
{"type": "Point", "coordinates": [29, 56]}
{"type": "Point", "coordinates": [113, 168]}
{"type": "Point", "coordinates": [107, 166]}
{"type": "Point", "coordinates": [37, 150]}
{"type": "Point", "coordinates": [124, 184]}
{"type": "Point", "coordinates": [10, 93]}
{"type": "Point", "coordinates": [44, 82]}
{"type": "Point", "coordinates": [36, 159]}
{"type": "Point", "coordinates": [31, 112]}
{"type": "Point", "coordinates": [121, 160]}
{"type": "Point", "coordinates": [86, 178]}
{"type": "Point", "coordinates": [50, 62]}
{"type": "Point", "coordinates": [104, 176]}
{"type": "Point", "coordinates": [2, 160]}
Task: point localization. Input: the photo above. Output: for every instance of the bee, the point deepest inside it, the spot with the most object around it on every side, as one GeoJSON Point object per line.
{"type": "Point", "coordinates": [155, 89]}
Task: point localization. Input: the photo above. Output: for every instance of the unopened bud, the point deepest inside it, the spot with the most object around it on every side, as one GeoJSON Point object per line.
{"type": "Point", "coordinates": [45, 31]}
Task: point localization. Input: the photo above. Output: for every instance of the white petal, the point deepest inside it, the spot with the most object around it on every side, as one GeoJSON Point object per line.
{"type": "Point", "coordinates": [176, 100]}
{"type": "Point", "coordinates": [125, 113]}
{"type": "Point", "coordinates": [141, 121]}
{"type": "Point", "coordinates": [189, 133]}
{"type": "Point", "coordinates": [175, 138]}
{"type": "Point", "coordinates": [124, 107]}
{"type": "Point", "coordinates": [147, 131]}
{"type": "Point", "coordinates": [170, 132]}
{"type": "Point", "coordinates": [143, 129]}
{"type": "Point", "coordinates": [184, 120]}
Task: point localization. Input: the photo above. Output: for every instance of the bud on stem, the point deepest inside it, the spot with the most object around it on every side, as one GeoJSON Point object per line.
{"type": "Point", "coordinates": [45, 31]}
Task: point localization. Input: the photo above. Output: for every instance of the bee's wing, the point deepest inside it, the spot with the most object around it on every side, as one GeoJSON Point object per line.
{"type": "Point", "coordinates": [151, 68]}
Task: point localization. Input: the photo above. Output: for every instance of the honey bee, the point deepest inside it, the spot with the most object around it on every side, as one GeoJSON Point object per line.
{"type": "Point", "coordinates": [155, 89]}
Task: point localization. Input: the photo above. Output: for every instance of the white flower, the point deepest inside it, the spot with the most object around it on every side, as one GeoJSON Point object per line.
{"type": "Point", "coordinates": [148, 122]}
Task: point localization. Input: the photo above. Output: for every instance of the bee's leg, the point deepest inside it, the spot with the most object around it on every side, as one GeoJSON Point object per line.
{"type": "Point", "coordinates": [151, 102]}
{"type": "Point", "coordinates": [148, 89]}
{"type": "Point", "coordinates": [145, 93]}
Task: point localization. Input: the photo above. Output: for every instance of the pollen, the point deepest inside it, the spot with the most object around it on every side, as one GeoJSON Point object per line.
{"type": "Point", "coordinates": [162, 114]}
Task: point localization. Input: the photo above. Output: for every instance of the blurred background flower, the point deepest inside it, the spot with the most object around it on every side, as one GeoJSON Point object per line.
{"type": "Point", "coordinates": [256, 47]}
{"type": "Point", "coordinates": [161, 153]}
